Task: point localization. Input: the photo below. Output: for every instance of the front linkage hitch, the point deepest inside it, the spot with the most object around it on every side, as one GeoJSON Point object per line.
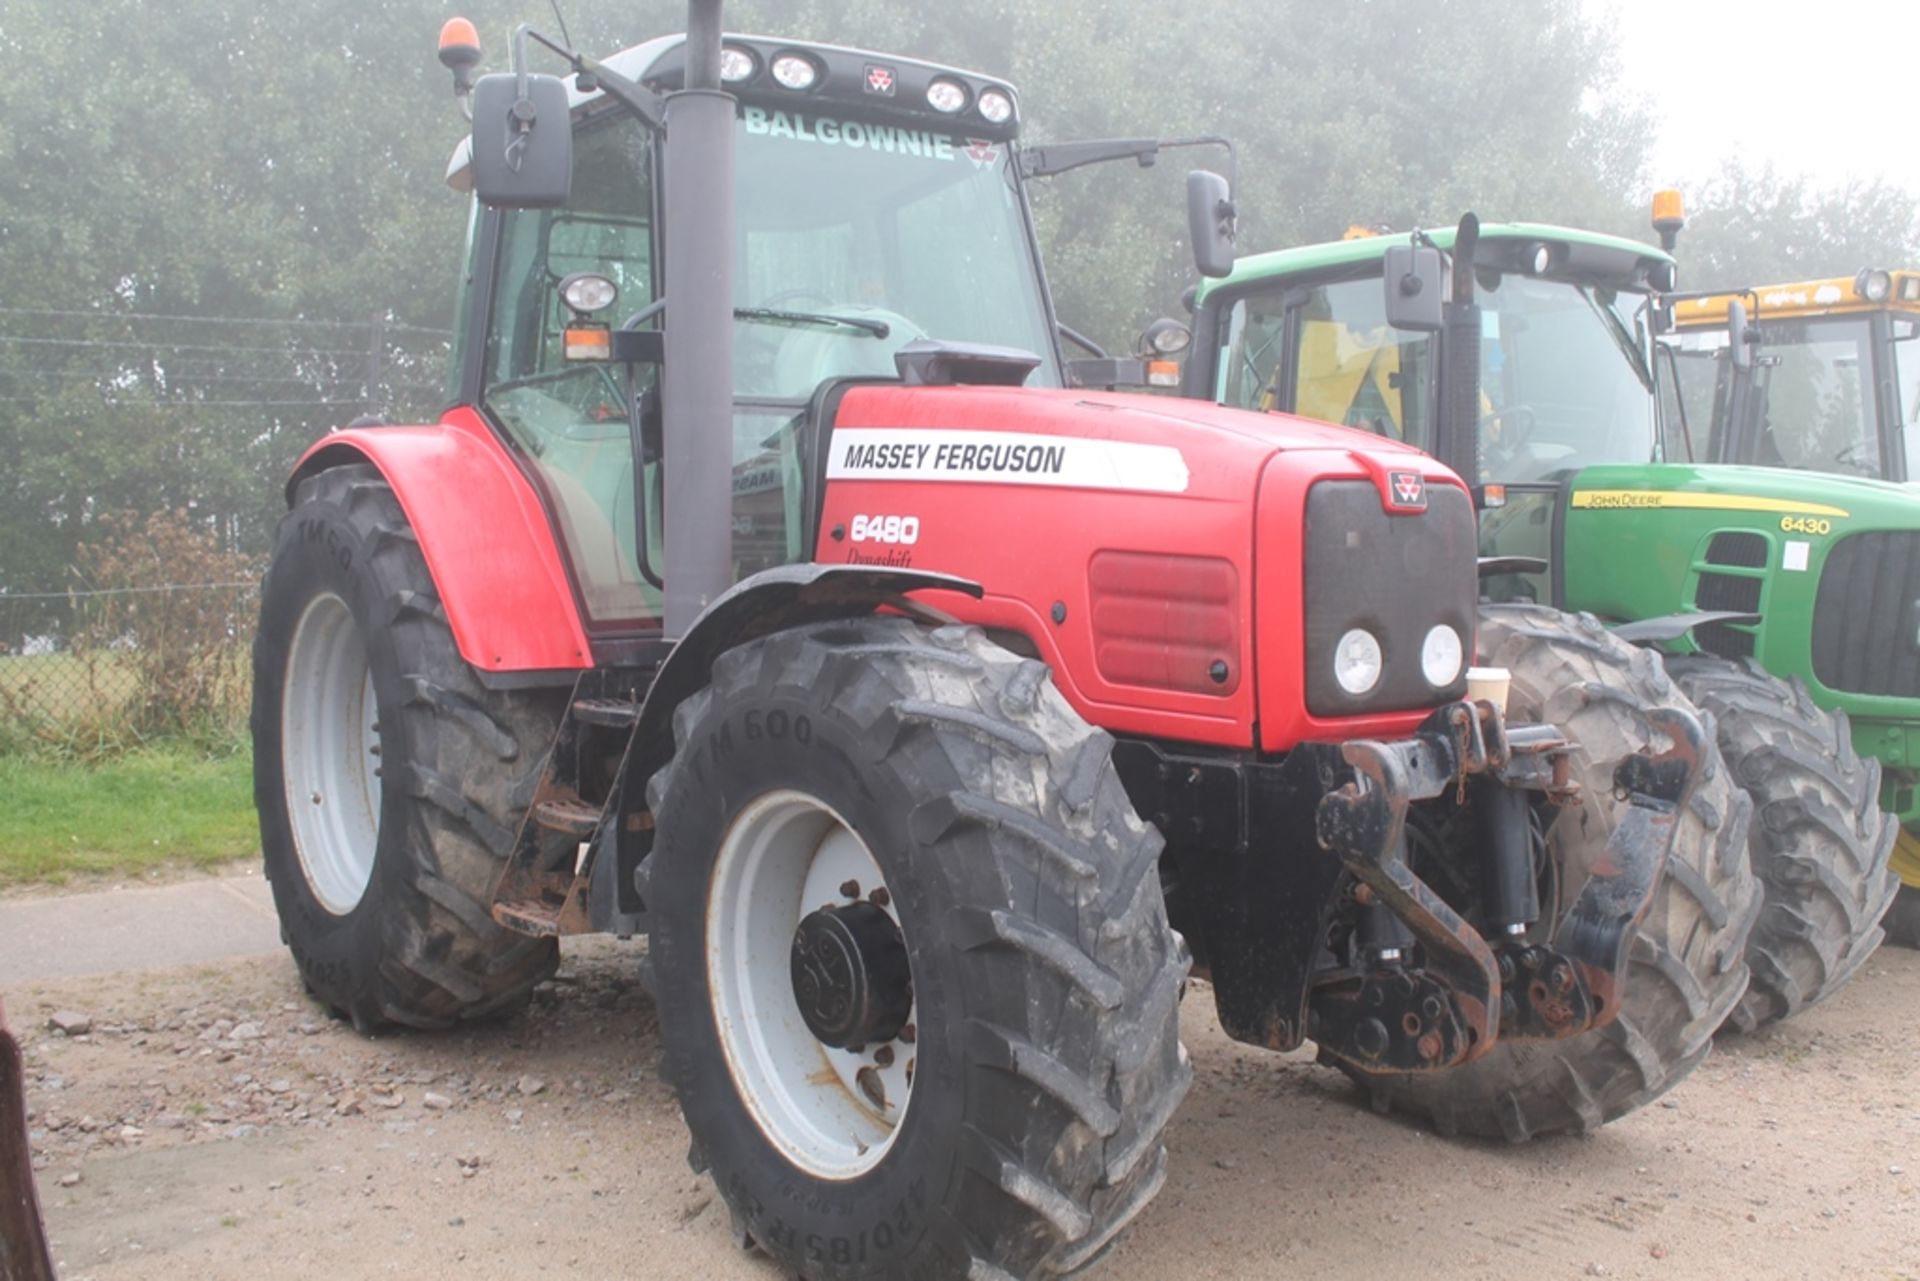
{"type": "Point", "coordinates": [1263, 923]}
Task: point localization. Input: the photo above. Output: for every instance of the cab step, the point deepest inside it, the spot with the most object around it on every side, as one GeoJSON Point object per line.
{"type": "Point", "coordinates": [613, 713]}
{"type": "Point", "coordinates": [568, 816]}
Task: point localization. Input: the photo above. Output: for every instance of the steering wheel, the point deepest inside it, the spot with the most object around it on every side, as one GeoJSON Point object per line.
{"type": "Point", "coordinates": [1517, 424]}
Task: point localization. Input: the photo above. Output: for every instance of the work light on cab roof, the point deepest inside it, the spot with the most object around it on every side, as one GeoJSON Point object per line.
{"type": "Point", "coordinates": [795, 71]}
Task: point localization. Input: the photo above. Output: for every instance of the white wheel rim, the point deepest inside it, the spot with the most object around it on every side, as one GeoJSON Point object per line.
{"type": "Point", "coordinates": [330, 754]}
{"type": "Point", "coordinates": [786, 855]}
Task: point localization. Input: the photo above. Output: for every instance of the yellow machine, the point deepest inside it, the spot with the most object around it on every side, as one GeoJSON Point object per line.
{"type": "Point", "coordinates": [1828, 381]}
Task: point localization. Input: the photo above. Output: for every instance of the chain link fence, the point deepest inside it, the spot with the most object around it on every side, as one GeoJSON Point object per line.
{"type": "Point", "coordinates": [103, 669]}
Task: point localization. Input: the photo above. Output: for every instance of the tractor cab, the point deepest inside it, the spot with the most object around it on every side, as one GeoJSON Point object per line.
{"type": "Point", "coordinates": [1827, 377]}
{"type": "Point", "coordinates": [1564, 365]}
{"type": "Point", "coordinates": [878, 230]}
{"type": "Point", "coordinates": [877, 205]}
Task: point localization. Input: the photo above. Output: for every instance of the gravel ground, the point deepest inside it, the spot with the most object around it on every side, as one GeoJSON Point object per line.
{"type": "Point", "coordinates": [212, 1122]}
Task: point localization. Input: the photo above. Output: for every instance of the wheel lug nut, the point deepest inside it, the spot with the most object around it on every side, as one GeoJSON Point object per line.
{"type": "Point", "coordinates": [884, 1056]}
{"type": "Point", "coordinates": [910, 1063]}
{"type": "Point", "coordinates": [908, 1033]}
{"type": "Point", "coordinates": [850, 889]}
{"type": "Point", "coordinates": [316, 798]}
{"type": "Point", "coordinates": [872, 1086]}
{"type": "Point", "coordinates": [879, 897]}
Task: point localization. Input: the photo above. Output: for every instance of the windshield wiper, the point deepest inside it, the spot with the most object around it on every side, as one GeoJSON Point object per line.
{"type": "Point", "coordinates": [878, 328]}
{"type": "Point", "coordinates": [1617, 330]}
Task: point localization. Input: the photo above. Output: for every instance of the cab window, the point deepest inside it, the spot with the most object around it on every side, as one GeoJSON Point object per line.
{"type": "Point", "coordinates": [1813, 397]}
{"type": "Point", "coordinates": [569, 417]}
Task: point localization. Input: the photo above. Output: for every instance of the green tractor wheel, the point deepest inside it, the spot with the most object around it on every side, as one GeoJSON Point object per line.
{"type": "Point", "coordinates": [1819, 840]}
{"type": "Point", "coordinates": [1688, 964]}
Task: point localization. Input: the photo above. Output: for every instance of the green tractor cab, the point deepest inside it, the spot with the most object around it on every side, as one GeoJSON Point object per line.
{"type": "Point", "coordinates": [1528, 358]}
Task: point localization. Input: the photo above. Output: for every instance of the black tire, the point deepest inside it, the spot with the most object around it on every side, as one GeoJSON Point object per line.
{"type": "Point", "coordinates": [1046, 978]}
{"type": "Point", "coordinates": [1688, 961]}
{"type": "Point", "coordinates": [1903, 920]}
{"type": "Point", "coordinates": [457, 761]}
{"type": "Point", "coordinates": [1819, 842]}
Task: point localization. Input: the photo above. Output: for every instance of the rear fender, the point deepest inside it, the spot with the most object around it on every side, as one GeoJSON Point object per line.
{"type": "Point", "coordinates": [485, 534]}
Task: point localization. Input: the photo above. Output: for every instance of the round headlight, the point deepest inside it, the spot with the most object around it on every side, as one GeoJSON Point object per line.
{"type": "Point", "coordinates": [735, 64]}
{"type": "Point", "coordinates": [1357, 661]}
{"type": "Point", "coordinates": [586, 293]}
{"type": "Point", "coordinates": [997, 107]}
{"type": "Point", "coordinates": [1440, 656]}
{"type": "Point", "coordinates": [1874, 286]}
{"type": "Point", "coordinates": [1539, 258]}
{"type": "Point", "coordinates": [946, 95]}
{"type": "Point", "coordinates": [795, 71]}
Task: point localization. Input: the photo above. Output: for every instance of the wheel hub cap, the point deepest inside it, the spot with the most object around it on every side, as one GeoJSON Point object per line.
{"type": "Point", "coordinates": [850, 975]}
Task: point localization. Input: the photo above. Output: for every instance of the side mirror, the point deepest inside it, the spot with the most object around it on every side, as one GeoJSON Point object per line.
{"type": "Point", "coordinates": [522, 141]}
{"type": "Point", "coordinates": [1210, 220]}
{"type": "Point", "coordinates": [1415, 277]}
{"type": "Point", "coordinates": [1739, 338]}
{"type": "Point", "coordinates": [1165, 337]}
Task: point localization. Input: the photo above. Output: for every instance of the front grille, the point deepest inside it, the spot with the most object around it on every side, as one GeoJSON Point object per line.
{"type": "Point", "coordinates": [1727, 642]}
{"type": "Point", "coordinates": [1728, 591]}
{"type": "Point", "coordinates": [1866, 617]}
{"type": "Point", "coordinates": [1739, 548]}
{"type": "Point", "coordinates": [1397, 576]}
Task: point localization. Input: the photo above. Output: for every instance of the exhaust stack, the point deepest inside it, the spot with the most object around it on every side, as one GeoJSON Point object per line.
{"type": "Point", "coordinates": [696, 385]}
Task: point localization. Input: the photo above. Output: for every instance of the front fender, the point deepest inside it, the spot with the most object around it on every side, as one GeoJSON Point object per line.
{"type": "Point", "coordinates": [484, 532]}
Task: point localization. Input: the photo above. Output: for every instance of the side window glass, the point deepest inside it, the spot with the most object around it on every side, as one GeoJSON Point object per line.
{"type": "Point", "coordinates": [570, 417]}
{"type": "Point", "coordinates": [1906, 382]}
{"type": "Point", "coordinates": [1253, 353]}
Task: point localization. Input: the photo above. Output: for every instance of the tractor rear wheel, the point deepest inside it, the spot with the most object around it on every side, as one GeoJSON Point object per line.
{"type": "Point", "coordinates": [1819, 842]}
{"type": "Point", "coordinates": [390, 783]}
{"type": "Point", "coordinates": [911, 961]}
{"type": "Point", "coordinates": [1687, 963]}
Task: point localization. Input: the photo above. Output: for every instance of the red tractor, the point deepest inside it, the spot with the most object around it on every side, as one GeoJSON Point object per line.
{"type": "Point", "coordinates": [773, 588]}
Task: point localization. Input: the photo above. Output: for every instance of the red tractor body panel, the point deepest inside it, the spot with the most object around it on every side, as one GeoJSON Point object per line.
{"type": "Point", "coordinates": [485, 535]}
{"type": "Point", "coordinates": [1151, 550]}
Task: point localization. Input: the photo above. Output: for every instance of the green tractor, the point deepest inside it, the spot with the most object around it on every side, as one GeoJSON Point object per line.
{"type": "Point", "coordinates": [1824, 376]}
{"type": "Point", "coordinates": [1526, 357]}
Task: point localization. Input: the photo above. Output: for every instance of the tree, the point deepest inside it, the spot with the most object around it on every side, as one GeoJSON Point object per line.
{"type": "Point", "coordinates": [1754, 226]}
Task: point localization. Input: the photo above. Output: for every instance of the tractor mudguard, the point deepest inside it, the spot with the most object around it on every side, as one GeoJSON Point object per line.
{"type": "Point", "coordinates": [486, 537]}
{"type": "Point", "coordinates": [23, 1241]}
{"type": "Point", "coordinates": [1667, 627]}
{"type": "Point", "coordinates": [773, 600]}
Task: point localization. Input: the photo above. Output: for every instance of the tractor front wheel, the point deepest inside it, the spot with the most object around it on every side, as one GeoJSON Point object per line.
{"type": "Point", "coordinates": [390, 783]}
{"type": "Point", "coordinates": [912, 966]}
{"type": "Point", "coordinates": [1687, 962]}
{"type": "Point", "coordinates": [1819, 842]}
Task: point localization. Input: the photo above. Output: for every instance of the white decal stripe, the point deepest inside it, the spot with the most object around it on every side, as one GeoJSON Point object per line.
{"type": "Point", "coordinates": [1005, 458]}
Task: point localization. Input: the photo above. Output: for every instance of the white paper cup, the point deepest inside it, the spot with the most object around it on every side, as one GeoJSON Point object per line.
{"type": "Point", "coordinates": [1489, 683]}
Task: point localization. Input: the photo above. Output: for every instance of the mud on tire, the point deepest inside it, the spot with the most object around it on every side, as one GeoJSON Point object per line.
{"type": "Point", "coordinates": [1045, 977]}
{"type": "Point", "coordinates": [457, 765]}
{"type": "Point", "coordinates": [1819, 841]}
{"type": "Point", "coordinates": [1687, 963]}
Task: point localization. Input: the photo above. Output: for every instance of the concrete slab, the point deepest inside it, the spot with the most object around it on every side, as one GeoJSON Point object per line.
{"type": "Point", "coordinates": [136, 929]}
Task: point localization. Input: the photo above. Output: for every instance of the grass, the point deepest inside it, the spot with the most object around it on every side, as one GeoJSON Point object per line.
{"type": "Point", "coordinates": [165, 806]}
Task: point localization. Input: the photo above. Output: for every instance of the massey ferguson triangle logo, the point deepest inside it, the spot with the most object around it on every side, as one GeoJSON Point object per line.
{"type": "Point", "coordinates": [879, 79]}
{"type": "Point", "coordinates": [1409, 490]}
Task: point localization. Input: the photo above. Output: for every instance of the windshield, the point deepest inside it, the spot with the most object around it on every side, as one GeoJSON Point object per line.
{"type": "Point", "coordinates": [1564, 382]}
{"type": "Point", "coordinates": [846, 230]}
